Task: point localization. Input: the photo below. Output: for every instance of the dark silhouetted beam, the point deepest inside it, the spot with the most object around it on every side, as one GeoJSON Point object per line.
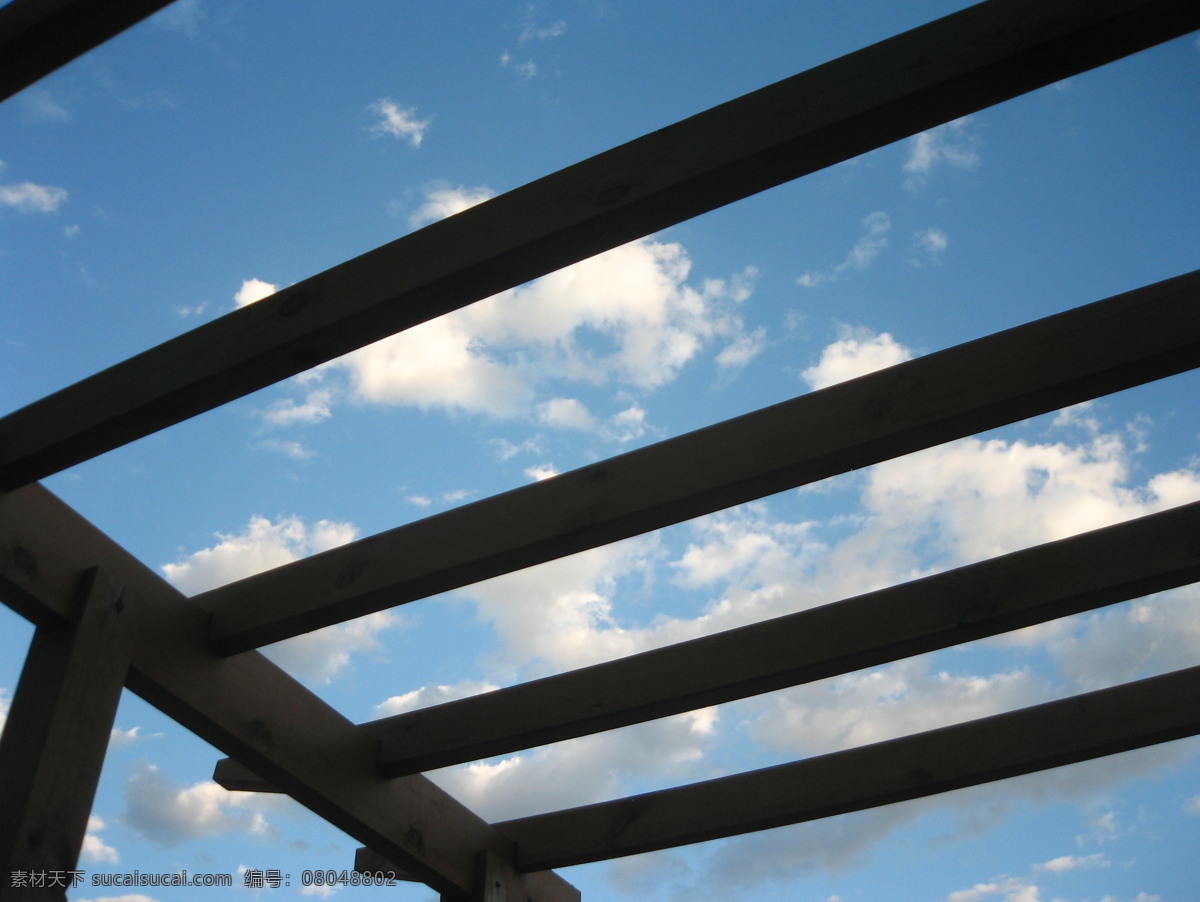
{"type": "Point", "coordinates": [1039, 367]}
{"type": "Point", "coordinates": [1074, 729]}
{"type": "Point", "coordinates": [963, 62]}
{"type": "Point", "coordinates": [38, 36]}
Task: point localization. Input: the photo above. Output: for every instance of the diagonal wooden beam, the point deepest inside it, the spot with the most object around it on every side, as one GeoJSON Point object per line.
{"type": "Point", "coordinates": [1039, 367]}
{"type": "Point", "coordinates": [57, 734]}
{"type": "Point", "coordinates": [1105, 566]}
{"type": "Point", "coordinates": [948, 68]}
{"type": "Point", "coordinates": [1158, 709]}
{"type": "Point", "coordinates": [245, 706]}
{"type": "Point", "coordinates": [38, 36]}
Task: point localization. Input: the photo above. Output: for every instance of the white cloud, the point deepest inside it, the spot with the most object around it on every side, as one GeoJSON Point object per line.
{"type": "Point", "coordinates": [953, 144]}
{"type": "Point", "coordinates": [1192, 805]}
{"type": "Point", "coordinates": [95, 850]}
{"type": "Point", "coordinates": [432, 695]}
{"type": "Point", "coordinates": [932, 244]}
{"type": "Point", "coordinates": [168, 814]}
{"type": "Point", "coordinates": [39, 105]}
{"type": "Point", "coordinates": [857, 353]}
{"type": "Point", "coordinates": [525, 70]}
{"type": "Point", "coordinates": [183, 17]}
{"type": "Point", "coordinates": [121, 738]}
{"type": "Point", "coordinates": [315, 408]}
{"type": "Point", "coordinates": [1072, 862]}
{"type": "Point", "coordinates": [627, 316]}
{"type": "Point", "coordinates": [538, 472]}
{"type": "Point", "coordinates": [566, 413]}
{"type": "Point", "coordinates": [874, 240]}
{"type": "Point", "coordinates": [398, 121]}
{"type": "Point", "coordinates": [742, 350]}
{"type": "Point", "coordinates": [26, 197]}
{"type": "Point", "coordinates": [294, 450]}
{"type": "Point", "coordinates": [263, 545]}
{"type": "Point", "coordinates": [442, 201]}
{"type": "Point", "coordinates": [253, 290]}
{"type": "Point", "coordinates": [542, 33]}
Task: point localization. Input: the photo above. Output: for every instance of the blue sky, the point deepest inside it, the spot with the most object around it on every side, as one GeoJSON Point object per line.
{"type": "Point", "coordinates": [226, 148]}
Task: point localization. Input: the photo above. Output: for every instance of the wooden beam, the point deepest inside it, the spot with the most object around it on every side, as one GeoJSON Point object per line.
{"type": "Point", "coordinates": [1075, 729]}
{"type": "Point", "coordinates": [57, 734]}
{"type": "Point", "coordinates": [38, 36]}
{"type": "Point", "coordinates": [953, 66]}
{"type": "Point", "coordinates": [1105, 566]}
{"type": "Point", "coordinates": [248, 707]}
{"type": "Point", "coordinates": [996, 596]}
{"type": "Point", "coordinates": [1035, 368]}
{"type": "Point", "coordinates": [497, 880]}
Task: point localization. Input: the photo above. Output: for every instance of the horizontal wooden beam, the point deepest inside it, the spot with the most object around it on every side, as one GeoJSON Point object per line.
{"type": "Point", "coordinates": [57, 733]}
{"type": "Point", "coordinates": [963, 62]}
{"type": "Point", "coordinates": [1158, 709]}
{"type": "Point", "coordinates": [1105, 566]}
{"type": "Point", "coordinates": [1039, 367]}
{"type": "Point", "coordinates": [247, 706]}
{"type": "Point", "coordinates": [38, 36]}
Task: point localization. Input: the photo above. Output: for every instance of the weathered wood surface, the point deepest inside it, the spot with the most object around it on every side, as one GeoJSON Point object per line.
{"type": "Point", "coordinates": [1067, 731]}
{"type": "Point", "coordinates": [1117, 563]}
{"type": "Point", "coordinates": [246, 706]}
{"type": "Point", "coordinates": [945, 69]}
{"type": "Point", "coordinates": [38, 36]}
{"type": "Point", "coordinates": [57, 733]}
{"type": "Point", "coordinates": [1035, 368]}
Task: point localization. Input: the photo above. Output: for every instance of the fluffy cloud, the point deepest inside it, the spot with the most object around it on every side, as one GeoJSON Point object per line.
{"type": "Point", "coordinates": [253, 290]}
{"type": "Point", "coordinates": [95, 850]}
{"type": "Point", "coordinates": [874, 240]}
{"type": "Point", "coordinates": [287, 412]}
{"type": "Point", "coordinates": [953, 144]}
{"type": "Point", "coordinates": [626, 317]}
{"type": "Point", "coordinates": [168, 814]}
{"type": "Point", "coordinates": [398, 121]}
{"type": "Point", "coordinates": [442, 201]}
{"type": "Point", "coordinates": [432, 695]}
{"type": "Point", "coordinates": [262, 545]}
{"type": "Point", "coordinates": [26, 197]}
{"type": "Point", "coordinates": [856, 353]}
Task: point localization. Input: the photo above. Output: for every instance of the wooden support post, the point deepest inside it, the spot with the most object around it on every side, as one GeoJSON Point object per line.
{"type": "Point", "coordinates": [56, 737]}
{"type": "Point", "coordinates": [498, 881]}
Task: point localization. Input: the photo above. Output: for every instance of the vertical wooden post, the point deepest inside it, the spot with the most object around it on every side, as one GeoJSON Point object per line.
{"type": "Point", "coordinates": [499, 881]}
{"type": "Point", "coordinates": [55, 738]}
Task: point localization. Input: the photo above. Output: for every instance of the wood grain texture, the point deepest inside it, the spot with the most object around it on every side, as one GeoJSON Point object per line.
{"type": "Point", "coordinates": [946, 69]}
{"type": "Point", "coordinates": [58, 729]}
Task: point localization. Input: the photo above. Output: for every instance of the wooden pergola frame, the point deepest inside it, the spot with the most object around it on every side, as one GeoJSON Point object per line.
{"type": "Point", "coordinates": [104, 621]}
